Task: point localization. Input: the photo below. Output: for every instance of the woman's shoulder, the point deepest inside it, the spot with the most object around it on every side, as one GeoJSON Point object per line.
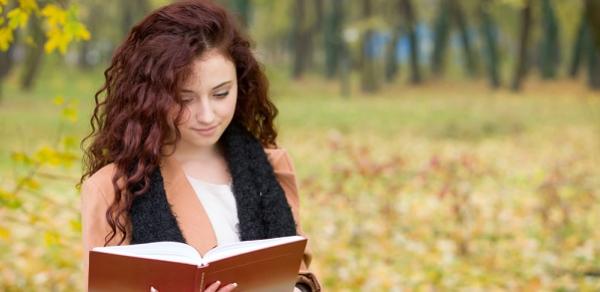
{"type": "Point", "coordinates": [103, 175]}
{"type": "Point", "coordinates": [100, 181]}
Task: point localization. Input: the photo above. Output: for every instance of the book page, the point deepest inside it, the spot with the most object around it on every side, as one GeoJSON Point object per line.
{"type": "Point", "coordinates": [232, 249]}
{"type": "Point", "coordinates": [163, 250]}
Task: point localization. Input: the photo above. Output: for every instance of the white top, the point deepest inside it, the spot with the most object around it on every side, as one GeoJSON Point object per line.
{"type": "Point", "coordinates": [219, 204]}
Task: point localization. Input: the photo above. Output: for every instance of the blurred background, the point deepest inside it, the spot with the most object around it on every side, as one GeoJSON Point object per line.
{"type": "Point", "coordinates": [440, 144]}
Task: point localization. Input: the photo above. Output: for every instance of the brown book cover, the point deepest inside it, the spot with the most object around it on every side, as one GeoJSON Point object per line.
{"type": "Point", "coordinates": [259, 265]}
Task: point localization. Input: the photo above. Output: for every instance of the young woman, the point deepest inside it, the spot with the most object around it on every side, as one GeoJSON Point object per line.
{"type": "Point", "coordinates": [183, 146]}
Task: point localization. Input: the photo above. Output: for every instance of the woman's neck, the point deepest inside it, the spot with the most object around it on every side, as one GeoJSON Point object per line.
{"type": "Point", "coordinates": [206, 164]}
{"type": "Point", "coordinates": [198, 154]}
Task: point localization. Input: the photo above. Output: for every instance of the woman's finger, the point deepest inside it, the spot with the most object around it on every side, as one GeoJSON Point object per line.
{"type": "Point", "coordinates": [213, 287]}
{"type": "Point", "coordinates": [228, 288]}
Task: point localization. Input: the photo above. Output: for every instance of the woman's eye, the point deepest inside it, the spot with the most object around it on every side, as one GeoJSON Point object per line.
{"type": "Point", "coordinates": [223, 94]}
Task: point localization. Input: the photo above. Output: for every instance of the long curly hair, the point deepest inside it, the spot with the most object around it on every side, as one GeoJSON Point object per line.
{"type": "Point", "coordinates": [132, 125]}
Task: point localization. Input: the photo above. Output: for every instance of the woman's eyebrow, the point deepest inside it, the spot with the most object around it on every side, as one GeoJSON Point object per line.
{"type": "Point", "coordinates": [185, 90]}
{"type": "Point", "coordinates": [223, 83]}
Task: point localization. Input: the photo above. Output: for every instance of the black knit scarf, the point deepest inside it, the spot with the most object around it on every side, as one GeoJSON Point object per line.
{"type": "Point", "coordinates": [262, 209]}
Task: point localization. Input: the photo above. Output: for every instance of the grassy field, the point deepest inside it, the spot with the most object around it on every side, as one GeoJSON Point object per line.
{"type": "Point", "coordinates": [442, 186]}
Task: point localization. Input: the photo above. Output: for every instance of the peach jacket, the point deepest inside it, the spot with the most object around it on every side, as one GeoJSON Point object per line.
{"type": "Point", "coordinates": [97, 194]}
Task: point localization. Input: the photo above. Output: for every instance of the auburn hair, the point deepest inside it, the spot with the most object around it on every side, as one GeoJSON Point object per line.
{"type": "Point", "coordinates": [131, 124]}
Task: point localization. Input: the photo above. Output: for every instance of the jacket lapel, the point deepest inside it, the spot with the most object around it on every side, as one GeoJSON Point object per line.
{"type": "Point", "coordinates": [187, 208]}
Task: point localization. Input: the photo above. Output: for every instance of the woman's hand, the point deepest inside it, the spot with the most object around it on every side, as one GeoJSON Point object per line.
{"type": "Point", "coordinates": [214, 286]}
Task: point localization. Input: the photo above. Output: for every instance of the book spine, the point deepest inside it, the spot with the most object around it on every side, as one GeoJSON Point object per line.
{"type": "Point", "coordinates": [202, 282]}
{"type": "Point", "coordinates": [199, 280]}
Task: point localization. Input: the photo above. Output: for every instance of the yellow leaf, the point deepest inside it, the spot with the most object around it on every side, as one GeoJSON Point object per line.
{"type": "Point", "coordinates": [4, 233]}
{"type": "Point", "coordinates": [28, 5]}
{"type": "Point", "coordinates": [6, 37]}
{"type": "Point", "coordinates": [69, 142]}
{"type": "Point", "coordinates": [67, 159]}
{"type": "Point", "coordinates": [9, 200]}
{"type": "Point", "coordinates": [75, 224]}
{"type": "Point", "coordinates": [51, 238]}
{"type": "Point", "coordinates": [34, 218]}
{"type": "Point", "coordinates": [64, 27]}
{"type": "Point", "coordinates": [70, 113]}
{"type": "Point", "coordinates": [17, 18]}
{"type": "Point", "coordinates": [83, 33]}
{"type": "Point", "coordinates": [58, 100]}
{"type": "Point", "coordinates": [30, 183]}
{"type": "Point", "coordinates": [57, 39]}
{"type": "Point", "coordinates": [18, 156]}
{"type": "Point", "coordinates": [47, 155]}
{"type": "Point", "coordinates": [54, 15]}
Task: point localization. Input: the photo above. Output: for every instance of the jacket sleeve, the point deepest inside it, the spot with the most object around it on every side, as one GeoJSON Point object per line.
{"type": "Point", "coordinates": [96, 197]}
{"type": "Point", "coordinates": [286, 175]}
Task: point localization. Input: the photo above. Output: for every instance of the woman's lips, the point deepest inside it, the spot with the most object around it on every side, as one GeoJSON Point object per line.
{"type": "Point", "coordinates": [206, 131]}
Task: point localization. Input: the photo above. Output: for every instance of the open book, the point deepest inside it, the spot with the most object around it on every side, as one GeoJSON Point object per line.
{"type": "Point", "coordinates": [257, 265]}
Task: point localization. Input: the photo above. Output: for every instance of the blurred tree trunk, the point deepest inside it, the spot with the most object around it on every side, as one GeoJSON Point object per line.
{"type": "Point", "coordinates": [334, 19]}
{"type": "Point", "coordinates": [338, 56]}
{"type": "Point", "coordinates": [7, 57]}
{"type": "Point", "coordinates": [441, 31]}
{"type": "Point", "coordinates": [367, 56]}
{"type": "Point", "coordinates": [242, 9]}
{"type": "Point", "coordinates": [34, 54]}
{"type": "Point", "coordinates": [489, 32]}
{"type": "Point", "coordinates": [550, 54]}
{"type": "Point", "coordinates": [391, 49]}
{"type": "Point", "coordinates": [410, 19]}
{"type": "Point", "coordinates": [94, 18]}
{"type": "Point", "coordinates": [300, 39]}
{"type": "Point", "coordinates": [580, 45]}
{"type": "Point", "coordinates": [6, 64]}
{"type": "Point", "coordinates": [522, 62]}
{"type": "Point", "coordinates": [316, 33]}
{"type": "Point", "coordinates": [593, 67]}
{"type": "Point", "coordinates": [460, 20]}
{"type": "Point", "coordinates": [345, 66]}
{"type": "Point", "coordinates": [592, 8]}
{"type": "Point", "coordinates": [391, 60]}
{"type": "Point", "coordinates": [133, 11]}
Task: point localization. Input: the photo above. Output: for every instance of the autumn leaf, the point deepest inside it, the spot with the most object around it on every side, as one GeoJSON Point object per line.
{"type": "Point", "coordinates": [5, 233]}
{"type": "Point", "coordinates": [70, 114]}
{"type": "Point", "coordinates": [17, 18]}
{"type": "Point", "coordinates": [6, 37]}
{"type": "Point", "coordinates": [51, 238]}
{"type": "Point", "coordinates": [9, 200]}
{"type": "Point", "coordinates": [55, 16]}
{"type": "Point", "coordinates": [28, 5]}
{"type": "Point", "coordinates": [59, 100]}
{"type": "Point", "coordinates": [64, 27]}
{"type": "Point", "coordinates": [47, 155]}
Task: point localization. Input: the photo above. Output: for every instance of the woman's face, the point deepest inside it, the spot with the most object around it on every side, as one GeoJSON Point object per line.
{"type": "Point", "coordinates": [209, 97]}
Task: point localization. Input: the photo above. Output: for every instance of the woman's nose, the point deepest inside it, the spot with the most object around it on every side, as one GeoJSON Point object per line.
{"type": "Point", "coordinates": [205, 114]}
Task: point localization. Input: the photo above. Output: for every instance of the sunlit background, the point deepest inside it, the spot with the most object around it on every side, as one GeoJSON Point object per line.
{"type": "Point", "coordinates": [440, 145]}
